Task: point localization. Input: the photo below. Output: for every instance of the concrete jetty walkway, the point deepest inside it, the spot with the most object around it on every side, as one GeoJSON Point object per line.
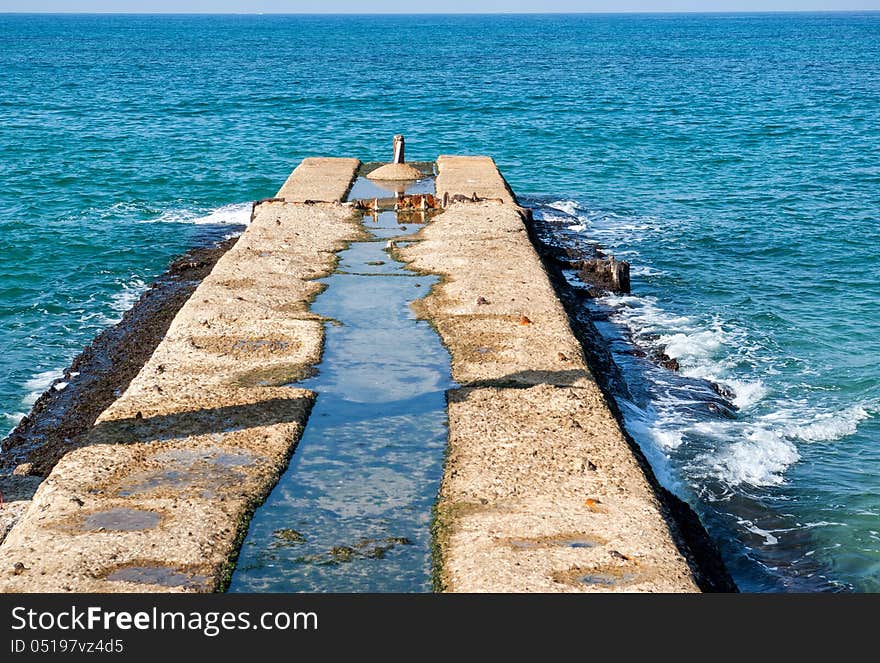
{"type": "Point", "coordinates": [161, 493]}
{"type": "Point", "coordinates": [541, 491]}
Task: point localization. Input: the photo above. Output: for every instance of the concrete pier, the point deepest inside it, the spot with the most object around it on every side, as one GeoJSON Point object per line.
{"type": "Point", "coordinates": [319, 179]}
{"type": "Point", "coordinates": [541, 491]}
{"type": "Point", "coordinates": [161, 492]}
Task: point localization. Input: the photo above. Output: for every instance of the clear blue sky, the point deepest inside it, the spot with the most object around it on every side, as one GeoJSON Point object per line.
{"type": "Point", "coordinates": [439, 6]}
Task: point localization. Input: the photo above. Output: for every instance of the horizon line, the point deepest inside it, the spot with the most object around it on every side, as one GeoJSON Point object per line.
{"type": "Point", "coordinates": [435, 13]}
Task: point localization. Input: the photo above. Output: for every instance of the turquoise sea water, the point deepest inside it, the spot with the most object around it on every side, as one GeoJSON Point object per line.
{"type": "Point", "coordinates": [731, 158]}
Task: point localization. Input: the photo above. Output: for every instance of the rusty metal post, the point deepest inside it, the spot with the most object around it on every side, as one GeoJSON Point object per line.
{"type": "Point", "coordinates": [398, 149]}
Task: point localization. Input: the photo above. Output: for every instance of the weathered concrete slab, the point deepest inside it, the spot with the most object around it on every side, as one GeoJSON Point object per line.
{"type": "Point", "coordinates": [160, 494]}
{"type": "Point", "coordinates": [469, 175]}
{"type": "Point", "coordinates": [501, 323]}
{"type": "Point", "coordinates": [319, 179]}
{"type": "Point", "coordinates": [541, 491]}
{"type": "Point", "coordinates": [17, 492]}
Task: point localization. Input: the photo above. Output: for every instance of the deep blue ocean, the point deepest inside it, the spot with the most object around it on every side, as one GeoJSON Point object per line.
{"type": "Point", "coordinates": [733, 159]}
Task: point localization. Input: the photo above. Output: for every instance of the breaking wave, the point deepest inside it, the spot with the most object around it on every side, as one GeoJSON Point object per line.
{"type": "Point", "coordinates": [758, 441]}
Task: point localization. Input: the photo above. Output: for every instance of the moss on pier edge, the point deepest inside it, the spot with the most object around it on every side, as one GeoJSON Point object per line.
{"type": "Point", "coordinates": [244, 521]}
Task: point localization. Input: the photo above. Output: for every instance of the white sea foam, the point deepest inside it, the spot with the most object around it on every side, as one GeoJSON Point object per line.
{"type": "Point", "coordinates": [835, 426]}
{"type": "Point", "coordinates": [42, 380]}
{"type": "Point", "coordinates": [645, 270]}
{"type": "Point", "coordinates": [756, 447]}
{"type": "Point", "coordinates": [654, 442]}
{"type": "Point", "coordinates": [759, 454]}
{"type": "Point", "coordinates": [695, 351]}
{"type": "Point", "coordinates": [609, 228]}
{"type": "Point", "coordinates": [131, 291]}
{"type": "Point", "coordinates": [703, 351]}
{"type": "Point", "coordinates": [821, 426]}
{"type": "Point", "coordinates": [8, 422]}
{"type": "Point", "coordinates": [769, 539]}
{"type": "Point", "coordinates": [38, 384]}
{"type": "Point", "coordinates": [570, 207]}
{"type": "Point", "coordinates": [120, 302]}
{"type": "Point", "coordinates": [743, 453]}
{"type": "Point", "coordinates": [642, 316]}
{"type": "Point", "coordinates": [667, 439]}
{"type": "Point", "coordinates": [759, 460]}
{"type": "Point", "coordinates": [746, 393]}
{"type": "Point", "coordinates": [121, 209]}
{"type": "Point", "coordinates": [657, 427]}
{"type": "Point", "coordinates": [238, 214]}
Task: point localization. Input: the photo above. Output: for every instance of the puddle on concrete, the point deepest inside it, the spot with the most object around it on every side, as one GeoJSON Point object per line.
{"type": "Point", "coordinates": [200, 482]}
{"type": "Point", "coordinates": [275, 376]}
{"type": "Point", "coordinates": [210, 456]}
{"type": "Point", "coordinates": [198, 471]}
{"type": "Point", "coordinates": [366, 189]}
{"type": "Point", "coordinates": [565, 541]}
{"type": "Point", "coordinates": [361, 485]}
{"type": "Point", "coordinates": [122, 520]}
{"type": "Point", "coordinates": [165, 576]}
{"type": "Point", "coordinates": [607, 579]}
{"type": "Point", "coordinates": [604, 576]}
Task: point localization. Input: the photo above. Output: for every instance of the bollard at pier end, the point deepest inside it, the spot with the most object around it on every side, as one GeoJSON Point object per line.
{"type": "Point", "coordinates": [398, 149]}
{"type": "Point", "coordinates": [398, 170]}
